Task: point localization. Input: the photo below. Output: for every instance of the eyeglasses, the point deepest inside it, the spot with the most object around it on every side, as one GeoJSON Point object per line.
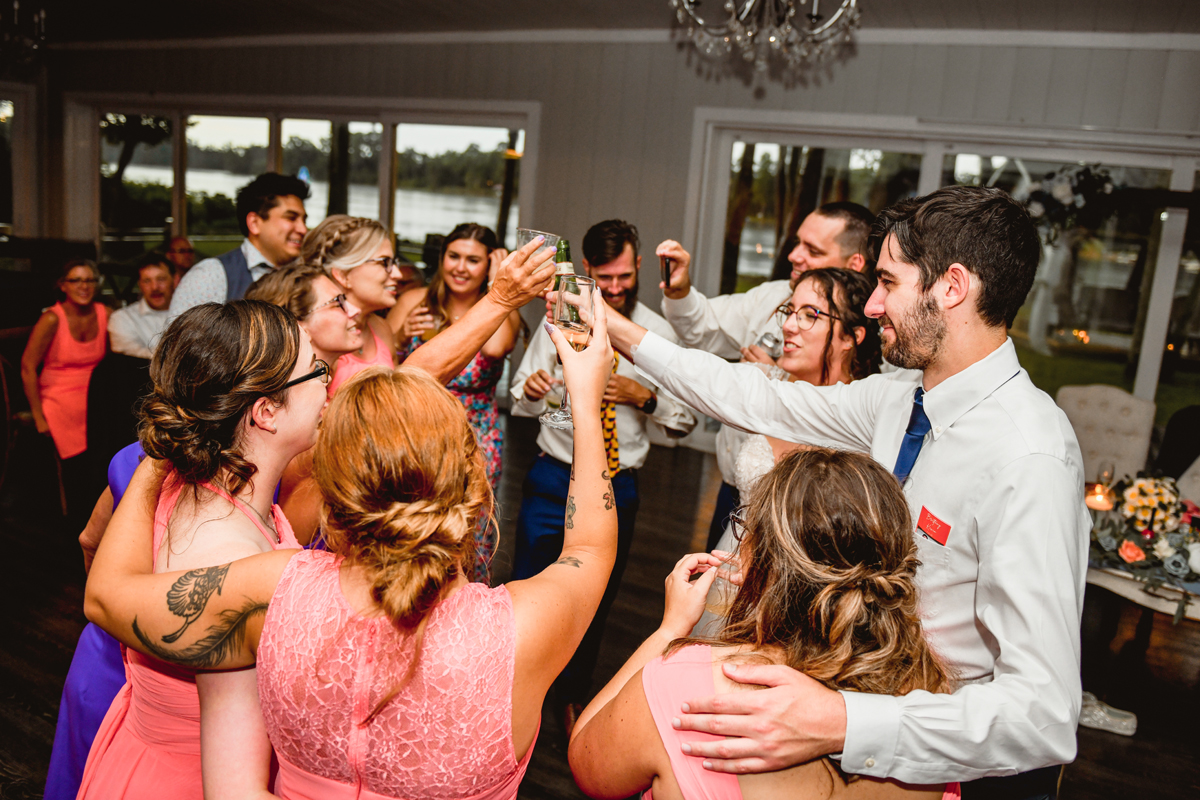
{"type": "Point", "coordinates": [339, 301]}
{"type": "Point", "coordinates": [78, 281]}
{"type": "Point", "coordinates": [181, 251]}
{"type": "Point", "coordinates": [322, 371]}
{"type": "Point", "coordinates": [387, 262]}
{"type": "Point", "coordinates": [806, 316]}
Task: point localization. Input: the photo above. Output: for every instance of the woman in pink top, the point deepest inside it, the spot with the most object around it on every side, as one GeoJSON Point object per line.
{"type": "Point", "coordinates": [237, 393]}
{"type": "Point", "coordinates": [358, 254]}
{"type": "Point", "coordinates": [67, 342]}
{"type": "Point", "coordinates": [828, 560]}
{"type": "Point", "coordinates": [383, 672]}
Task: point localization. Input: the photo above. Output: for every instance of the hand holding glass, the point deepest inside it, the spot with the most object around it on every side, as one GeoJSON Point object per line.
{"type": "Point", "coordinates": [573, 315]}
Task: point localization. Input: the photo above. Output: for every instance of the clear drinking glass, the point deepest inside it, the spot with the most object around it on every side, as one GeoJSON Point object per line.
{"type": "Point", "coordinates": [572, 316]}
{"type": "Point", "coordinates": [527, 235]}
{"type": "Point", "coordinates": [1106, 474]}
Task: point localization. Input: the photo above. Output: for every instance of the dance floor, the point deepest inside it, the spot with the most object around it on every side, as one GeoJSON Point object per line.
{"type": "Point", "coordinates": [41, 594]}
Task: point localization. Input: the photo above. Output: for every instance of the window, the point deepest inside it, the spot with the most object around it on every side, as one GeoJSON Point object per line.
{"type": "Point", "coordinates": [772, 187]}
{"type": "Point", "coordinates": [1083, 320]}
{"type": "Point", "coordinates": [7, 111]}
{"type": "Point", "coordinates": [449, 174]}
{"type": "Point", "coordinates": [342, 179]}
{"type": "Point", "coordinates": [223, 155]}
{"type": "Point", "coordinates": [136, 180]}
{"type": "Point", "coordinates": [1179, 379]}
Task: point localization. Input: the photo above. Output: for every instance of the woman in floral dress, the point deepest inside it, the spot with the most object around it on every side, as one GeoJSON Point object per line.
{"type": "Point", "coordinates": [470, 255]}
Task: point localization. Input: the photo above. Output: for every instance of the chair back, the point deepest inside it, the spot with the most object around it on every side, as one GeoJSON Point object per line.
{"type": "Point", "coordinates": [1189, 482]}
{"type": "Point", "coordinates": [1111, 425]}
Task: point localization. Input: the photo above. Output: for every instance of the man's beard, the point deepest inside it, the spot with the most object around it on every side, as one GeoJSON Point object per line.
{"type": "Point", "coordinates": [919, 335]}
{"type": "Point", "coordinates": [627, 306]}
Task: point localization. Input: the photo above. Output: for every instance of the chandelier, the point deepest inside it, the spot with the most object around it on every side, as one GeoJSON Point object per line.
{"type": "Point", "coordinates": [756, 29]}
{"type": "Point", "coordinates": [22, 34]}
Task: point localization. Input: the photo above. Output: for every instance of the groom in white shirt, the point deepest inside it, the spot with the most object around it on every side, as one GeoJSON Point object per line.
{"type": "Point", "coordinates": [994, 479]}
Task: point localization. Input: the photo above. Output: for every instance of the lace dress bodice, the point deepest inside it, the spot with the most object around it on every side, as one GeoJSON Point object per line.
{"type": "Point", "coordinates": [322, 668]}
{"type": "Point", "coordinates": [754, 459]}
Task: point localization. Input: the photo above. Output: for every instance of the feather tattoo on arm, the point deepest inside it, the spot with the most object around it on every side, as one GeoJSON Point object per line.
{"type": "Point", "coordinates": [190, 594]}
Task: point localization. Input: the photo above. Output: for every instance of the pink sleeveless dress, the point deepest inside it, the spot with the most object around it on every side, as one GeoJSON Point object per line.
{"type": "Point", "coordinates": [669, 683]}
{"type": "Point", "coordinates": [63, 382]}
{"type": "Point", "coordinates": [322, 668]}
{"type": "Point", "coordinates": [350, 365]}
{"type": "Point", "coordinates": [148, 746]}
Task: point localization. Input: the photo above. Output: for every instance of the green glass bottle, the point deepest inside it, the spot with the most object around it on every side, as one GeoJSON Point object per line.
{"type": "Point", "coordinates": [562, 259]}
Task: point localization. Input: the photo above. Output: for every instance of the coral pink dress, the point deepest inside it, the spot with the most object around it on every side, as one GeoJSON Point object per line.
{"type": "Point", "coordinates": [148, 746]}
{"type": "Point", "coordinates": [350, 365]}
{"type": "Point", "coordinates": [684, 675]}
{"type": "Point", "coordinates": [63, 382]}
{"type": "Point", "coordinates": [322, 668]}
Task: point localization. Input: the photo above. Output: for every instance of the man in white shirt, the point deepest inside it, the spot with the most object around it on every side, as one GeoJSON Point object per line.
{"type": "Point", "coordinates": [271, 215]}
{"type": "Point", "coordinates": [994, 479]}
{"type": "Point", "coordinates": [610, 256]}
{"type": "Point", "coordinates": [134, 329]}
{"type": "Point", "coordinates": [835, 235]}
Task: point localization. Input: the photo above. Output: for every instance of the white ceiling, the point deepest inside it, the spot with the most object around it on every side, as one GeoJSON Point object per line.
{"type": "Point", "coordinates": [75, 21]}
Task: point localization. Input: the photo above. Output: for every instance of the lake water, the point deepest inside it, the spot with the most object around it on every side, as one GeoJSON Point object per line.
{"type": "Point", "coordinates": [417, 212]}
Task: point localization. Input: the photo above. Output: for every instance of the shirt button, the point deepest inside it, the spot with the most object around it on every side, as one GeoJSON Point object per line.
{"type": "Point", "coordinates": [938, 429]}
{"type": "Point", "coordinates": [870, 762]}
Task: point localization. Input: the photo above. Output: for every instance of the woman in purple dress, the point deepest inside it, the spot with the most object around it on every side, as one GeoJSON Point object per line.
{"type": "Point", "coordinates": [470, 256]}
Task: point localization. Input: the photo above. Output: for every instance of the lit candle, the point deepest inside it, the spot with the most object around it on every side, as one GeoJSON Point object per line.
{"type": "Point", "coordinates": [1097, 498]}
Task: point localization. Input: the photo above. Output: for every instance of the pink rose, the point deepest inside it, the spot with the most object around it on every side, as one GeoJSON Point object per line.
{"type": "Point", "coordinates": [1131, 552]}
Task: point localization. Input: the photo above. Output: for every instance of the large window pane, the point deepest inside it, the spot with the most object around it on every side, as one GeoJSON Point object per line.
{"type": "Point", "coordinates": [1179, 380]}
{"type": "Point", "coordinates": [1083, 320]}
{"type": "Point", "coordinates": [773, 187]}
{"type": "Point", "coordinates": [449, 174]}
{"type": "Point", "coordinates": [342, 179]}
{"type": "Point", "coordinates": [223, 155]}
{"type": "Point", "coordinates": [7, 111]}
{"type": "Point", "coordinates": [135, 184]}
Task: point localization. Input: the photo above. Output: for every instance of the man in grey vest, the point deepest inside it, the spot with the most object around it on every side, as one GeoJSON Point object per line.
{"type": "Point", "coordinates": [271, 214]}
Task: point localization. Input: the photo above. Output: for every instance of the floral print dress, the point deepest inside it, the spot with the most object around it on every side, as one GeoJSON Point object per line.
{"type": "Point", "coordinates": [475, 387]}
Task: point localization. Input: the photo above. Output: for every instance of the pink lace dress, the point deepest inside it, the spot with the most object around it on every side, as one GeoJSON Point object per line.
{"type": "Point", "coordinates": [148, 746]}
{"type": "Point", "coordinates": [322, 668]}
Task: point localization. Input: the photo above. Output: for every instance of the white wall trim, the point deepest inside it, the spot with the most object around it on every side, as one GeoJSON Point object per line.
{"type": "Point", "coordinates": [961, 37]}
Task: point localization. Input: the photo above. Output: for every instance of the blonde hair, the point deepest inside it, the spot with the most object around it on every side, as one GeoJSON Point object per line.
{"type": "Point", "coordinates": [828, 561]}
{"type": "Point", "coordinates": [404, 485]}
{"type": "Point", "coordinates": [342, 242]}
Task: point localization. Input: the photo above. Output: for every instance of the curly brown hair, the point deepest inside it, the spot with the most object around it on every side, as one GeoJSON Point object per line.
{"type": "Point", "coordinates": [289, 287]}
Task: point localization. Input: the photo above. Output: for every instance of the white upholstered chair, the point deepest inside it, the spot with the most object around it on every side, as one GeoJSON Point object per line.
{"type": "Point", "coordinates": [1189, 482]}
{"type": "Point", "coordinates": [1111, 425]}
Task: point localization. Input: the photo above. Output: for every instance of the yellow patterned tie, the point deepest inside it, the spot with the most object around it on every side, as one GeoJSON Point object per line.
{"type": "Point", "coordinates": [608, 420]}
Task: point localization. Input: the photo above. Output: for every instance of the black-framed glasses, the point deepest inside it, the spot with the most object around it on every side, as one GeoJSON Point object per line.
{"type": "Point", "coordinates": [806, 316]}
{"type": "Point", "coordinates": [321, 371]}
{"type": "Point", "coordinates": [78, 281]}
{"type": "Point", "coordinates": [339, 301]}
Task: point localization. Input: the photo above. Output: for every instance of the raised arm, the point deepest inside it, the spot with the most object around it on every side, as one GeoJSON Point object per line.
{"type": "Point", "coordinates": [207, 618]}
{"type": "Point", "coordinates": [521, 277]}
{"type": "Point", "coordinates": [553, 609]}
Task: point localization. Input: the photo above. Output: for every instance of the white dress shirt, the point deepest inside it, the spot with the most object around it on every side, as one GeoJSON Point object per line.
{"type": "Point", "coordinates": [724, 325]}
{"type": "Point", "coordinates": [134, 330]}
{"type": "Point", "coordinates": [206, 282]}
{"type": "Point", "coordinates": [632, 443]}
{"type": "Point", "coordinates": [1001, 600]}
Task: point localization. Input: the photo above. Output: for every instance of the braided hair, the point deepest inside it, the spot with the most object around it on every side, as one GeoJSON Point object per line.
{"type": "Point", "coordinates": [342, 242]}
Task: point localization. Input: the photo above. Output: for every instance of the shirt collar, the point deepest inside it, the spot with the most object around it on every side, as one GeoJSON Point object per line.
{"type": "Point", "coordinates": [959, 393]}
{"type": "Point", "coordinates": [253, 257]}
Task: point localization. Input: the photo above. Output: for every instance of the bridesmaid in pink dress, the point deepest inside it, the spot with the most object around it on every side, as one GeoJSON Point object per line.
{"type": "Point", "coordinates": [383, 672]}
{"type": "Point", "coordinates": [358, 254]}
{"type": "Point", "coordinates": [828, 589]}
{"type": "Point", "coordinates": [68, 341]}
{"type": "Point", "coordinates": [237, 393]}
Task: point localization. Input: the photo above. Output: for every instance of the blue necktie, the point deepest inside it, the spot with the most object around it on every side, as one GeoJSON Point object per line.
{"type": "Point", "coordinates": [914, 437]}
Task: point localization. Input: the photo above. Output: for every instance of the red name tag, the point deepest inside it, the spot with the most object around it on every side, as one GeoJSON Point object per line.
{"type": "Point", "coordinates": [933, 527]}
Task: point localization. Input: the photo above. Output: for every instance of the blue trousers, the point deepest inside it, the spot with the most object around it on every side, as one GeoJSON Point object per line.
{"type": "Point", "coordinates": [540, 541]}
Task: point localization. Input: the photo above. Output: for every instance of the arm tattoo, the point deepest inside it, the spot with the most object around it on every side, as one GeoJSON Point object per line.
{"type": "Point", "coordinates": [604, 476]}
{"type": "Point", "coordinates": [223, 640]}
{"type": "Point", "coordinates": [608, 499]}
{"type": "Point", "coordinates": [190, 594]}
{"type": "Point", "coordinates": [570, 512]}
{"type": "Point", "coordinates": [569, 561]}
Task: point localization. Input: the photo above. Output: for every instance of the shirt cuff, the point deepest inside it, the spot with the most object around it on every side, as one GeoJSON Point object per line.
{"type": "Point", "coordinates": [652, 355]}
{"type": "Point", "coordinates": [686, 306]}
{"type": "Point", "coordinates": [872, 730]}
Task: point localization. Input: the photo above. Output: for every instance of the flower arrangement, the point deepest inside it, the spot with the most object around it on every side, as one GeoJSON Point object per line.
{"type": "Point", "coordinates": [1057, 202]}
{"type": "Point", "coordinates": [1152, 534]}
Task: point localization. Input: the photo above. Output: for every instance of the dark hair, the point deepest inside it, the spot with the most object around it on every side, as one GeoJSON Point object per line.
{"type": "Point", "coordinates": [289, 287]}
{"type": "Point", "coordinates": [983, 229]}
{"type": "Point", "coordinates": [213, 362]}
{"type": "Point", "coordinates": [155, 259]}
{"type": "Point", "coordinates": [605, 241]}
{"type": "Point", "coordinates": [262, 194]}
{"type": "Point", "coordinates": [437, 293]}
{"type": "Point", "coordinates": [856, 237]}
{"type": "Point", "coordinates": [847, 291]}
{"type": "Point", "coordinates": [829, 565]}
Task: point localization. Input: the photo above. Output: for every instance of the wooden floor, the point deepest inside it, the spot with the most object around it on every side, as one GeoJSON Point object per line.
{"type": "Point", "coordinates": [41, 592]}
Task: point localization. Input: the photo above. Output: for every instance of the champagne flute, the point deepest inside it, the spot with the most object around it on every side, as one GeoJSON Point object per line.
{"type": "Point", "coordinates": [573, 316]}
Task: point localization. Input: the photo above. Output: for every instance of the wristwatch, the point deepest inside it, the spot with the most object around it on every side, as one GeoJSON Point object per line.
{"type": "Point", "coordinates": [651, 404]}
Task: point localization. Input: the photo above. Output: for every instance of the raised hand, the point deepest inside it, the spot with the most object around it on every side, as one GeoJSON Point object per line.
{"type": "Point", "coordinates": [586, 372]}
{"type": "Point", "coordinates": [681, 260]}
{"type": "Point", "coordinates": [685, 598]}
{"type": "Point", "coordinates": [419, 321]}
{"type": "Point", "coordinates": [523, 274]}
